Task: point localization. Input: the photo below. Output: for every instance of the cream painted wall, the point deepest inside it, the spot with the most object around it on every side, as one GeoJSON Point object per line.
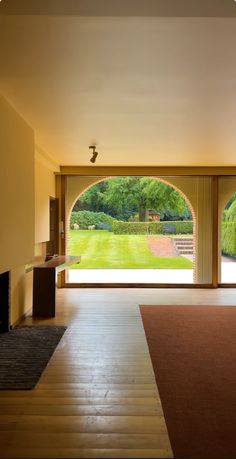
{"type": "Point", "coordinates": [22, 282]}
{"type": "Point", "coordinates": [21, 291]}
{"type": "Point", "coordinates": [198, 192]}
{"type": "Point", "coordinates": [16, 189]}
{"type": "Point", "coordinates": [44, 188]}
{"type": "Point", "coordinates": [26, 183]}
{"type": "Point", "coordinates": [17, 205]}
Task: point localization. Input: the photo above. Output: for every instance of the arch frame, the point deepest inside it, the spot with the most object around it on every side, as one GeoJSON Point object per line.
{"type": "Point", "coordinates": [193, 173]}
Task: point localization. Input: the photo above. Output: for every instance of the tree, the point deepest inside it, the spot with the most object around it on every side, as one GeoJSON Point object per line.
{"type": "Point", "coordinates": [143, 193]}
{"type": "Point", "coordinates": [92, 199]}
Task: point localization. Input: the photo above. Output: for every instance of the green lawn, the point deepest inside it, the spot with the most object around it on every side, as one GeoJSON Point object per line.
{"type": "Point", "coordinates": [103, 249]}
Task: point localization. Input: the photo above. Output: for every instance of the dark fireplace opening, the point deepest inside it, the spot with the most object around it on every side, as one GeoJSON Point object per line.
{"type": "Point", "coordinates": [4, 302]}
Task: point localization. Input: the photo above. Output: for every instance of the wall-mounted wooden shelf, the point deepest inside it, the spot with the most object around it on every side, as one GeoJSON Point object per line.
{"type": "Point", "coordinates": [44, 284]}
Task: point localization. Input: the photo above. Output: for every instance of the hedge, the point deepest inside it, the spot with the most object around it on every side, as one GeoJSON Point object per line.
{"type": "Point", "coordinates": [165, 227]}
{"type": "Point", "coordinates": [228, 238]}
{"type": "Point", "coordinates": [85, 218]}
{"type": "Point", "coordinates": [134, 227]}
{"type": "Point", "coordinates": [230, 214]}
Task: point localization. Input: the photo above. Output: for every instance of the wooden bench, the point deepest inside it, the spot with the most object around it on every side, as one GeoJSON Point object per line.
{"type": "Point", "coordinates": [44, 284]}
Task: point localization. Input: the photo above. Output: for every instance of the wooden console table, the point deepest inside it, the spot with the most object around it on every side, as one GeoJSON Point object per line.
{"type": "Point", "coordinates": [44, 284]}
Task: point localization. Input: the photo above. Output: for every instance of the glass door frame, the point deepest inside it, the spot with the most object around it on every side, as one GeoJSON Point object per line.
{"type": "Point", "coordinates": [86, 171]}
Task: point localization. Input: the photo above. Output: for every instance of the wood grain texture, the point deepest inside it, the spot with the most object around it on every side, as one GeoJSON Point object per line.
{"type": "Point", "coordinates": [104, 171]}
{"type": "Point", "coordinates": [97, 396]}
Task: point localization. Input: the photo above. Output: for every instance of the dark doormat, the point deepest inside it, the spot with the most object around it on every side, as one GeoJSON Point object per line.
{"type": "Point", "coordinates": [24, 354]}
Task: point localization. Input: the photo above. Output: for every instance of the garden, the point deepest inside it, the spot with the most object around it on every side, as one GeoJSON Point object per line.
{"type": "Point", "coordinates": [130, 222]}
{"type": "Point", "coordinates": [105, 250]}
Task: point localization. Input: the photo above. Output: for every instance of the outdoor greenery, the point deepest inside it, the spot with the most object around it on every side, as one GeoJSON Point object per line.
{"type": "Point", "coordinates": [228, 228]}
{"type": "Point", "coordinates": [125, 197]}
{"type": "Point", "coordinates": [230, 201]}
{"type": "Point", "coordinates": [230, 213]}
{"type": "Point", "coordinates": [121, 205]}
{"type": "Point", "coordinates": [228, 238]}
{"type": "Point", "coordinates": [182, 227]}
{"type": "Point", "coordinates": [119, 227]}
{"type": "Point", "coordinates": [144, 193]}
{"type": "Point", "coordinates": [103, 249]}
{"type": "Point", "coordinates": [171, 227]}
{"type": "Point", "coordinates": [85, 218]}
{"type": "Point", "coordinates": [100, 220]}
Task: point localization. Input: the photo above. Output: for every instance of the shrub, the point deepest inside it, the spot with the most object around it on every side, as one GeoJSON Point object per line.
{"type": "Point", "coordinates": [230, 214]}
{"type": "Point", "coordinates": [178, 227]}
{"type": "Point", "coordinates": [228, 238]}
{"type": "Point", "coordinates": [130, 227]}
{"type": "Point", "coordinates": [104, 226]}
{"type": "Point", "coordinates": [85, 218]}
{"type": "Point", "coordinates": [134, 218]}
{"type": "Point", "coordinates": [225, 217]}
{"type": "Point", "coordinates": [168, 228]}
{"type": "Point", "coordinates": [155, 227]}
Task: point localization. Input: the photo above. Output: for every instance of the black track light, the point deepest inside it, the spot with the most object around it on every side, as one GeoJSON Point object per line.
{"type": "Point", "coordinates": [95, 153]}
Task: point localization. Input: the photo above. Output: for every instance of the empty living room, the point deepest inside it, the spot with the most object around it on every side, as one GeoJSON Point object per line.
{"type": "Point", "coordinates": [118, 229]}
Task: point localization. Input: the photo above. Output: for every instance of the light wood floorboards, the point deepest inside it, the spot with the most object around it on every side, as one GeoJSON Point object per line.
{"type": "Point", "coordinates": [97, 397]}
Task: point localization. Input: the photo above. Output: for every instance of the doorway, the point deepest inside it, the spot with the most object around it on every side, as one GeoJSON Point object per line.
{"type": "Point", "coordinates": [4, 302]}
{"type": "Point", "coordinates": [52, 244]}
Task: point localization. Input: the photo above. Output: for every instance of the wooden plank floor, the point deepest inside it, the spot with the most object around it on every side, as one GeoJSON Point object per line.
{"type": "Point", "coordinates": [97, 397]}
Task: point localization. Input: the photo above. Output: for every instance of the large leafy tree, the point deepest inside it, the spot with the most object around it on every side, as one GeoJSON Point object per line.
{"type": "Point", "coordinates": [93, 199]}
{"type": "Point", "coordinates": [123, 197]}
{"type": "Point", "coordinates": [143, 193]}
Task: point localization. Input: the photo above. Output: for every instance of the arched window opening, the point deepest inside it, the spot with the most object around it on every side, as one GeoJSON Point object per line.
{"type": "Point", "coordinates": [132, 230]}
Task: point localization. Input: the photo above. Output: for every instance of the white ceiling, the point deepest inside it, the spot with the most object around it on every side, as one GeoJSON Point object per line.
{"type": "Point", "coordinates": [147, 90]}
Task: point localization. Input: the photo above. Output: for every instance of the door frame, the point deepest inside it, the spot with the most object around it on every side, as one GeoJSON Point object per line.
{"type": "Point", "coordinates": [99, 171]}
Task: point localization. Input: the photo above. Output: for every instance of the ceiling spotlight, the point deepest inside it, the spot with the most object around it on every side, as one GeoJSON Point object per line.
{"type": "Point", "coordinates": [95, 153]}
